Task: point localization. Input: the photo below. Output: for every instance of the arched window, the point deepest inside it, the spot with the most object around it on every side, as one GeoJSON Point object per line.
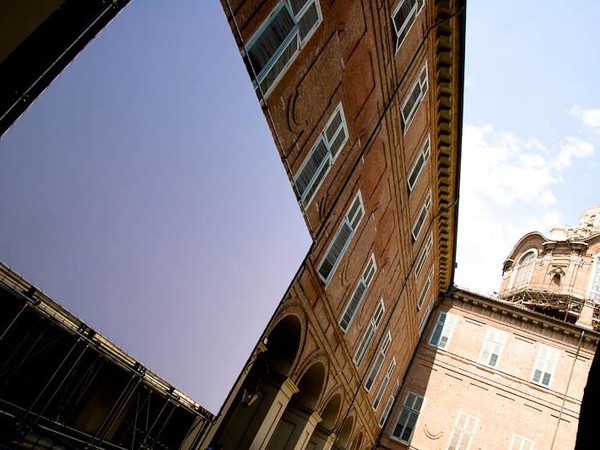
{"type": "Point", "coordinates": [594, 289]}
{"type": "Point", "coordinates": [524, 269]}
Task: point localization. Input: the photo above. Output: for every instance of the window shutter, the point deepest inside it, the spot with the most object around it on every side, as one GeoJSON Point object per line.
{"type": "Point", "coordinates": [270, 40]}
{"type": "Point", "coordinates": [353, 305]}
{"type": "Point", "coordinates": [318, 161]}
{"type": "Point", "coordinates": [308, 21]}
{"type": "Point", "coordinates": [297, 5]}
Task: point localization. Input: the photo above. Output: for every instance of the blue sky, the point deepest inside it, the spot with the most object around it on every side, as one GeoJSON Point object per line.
{"type": "Point", "coordinates": [532, 125]}
{"type": "Point", "coordinates": [143, 190]}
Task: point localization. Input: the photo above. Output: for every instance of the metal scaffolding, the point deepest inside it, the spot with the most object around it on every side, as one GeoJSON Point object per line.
{"type": "Point", "coordinates": [64, 386]}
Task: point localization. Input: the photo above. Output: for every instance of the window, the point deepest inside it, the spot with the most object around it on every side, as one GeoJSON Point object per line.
{"type": "Point", "coordinates": [388, 405]}
{"type": "Point", "coordinates": [378, 361]}
{"type": "Point", "coordinates": [414, 98]}
{"type": "Point", "coordinates": [317, 164]}
{"type": "Point", "coordinates": [409, 415]}
{"type": "Point", "coordinates": [384, 383]}
{"type": "Point", "coordinates": [417, 168]}
{"type": "Point", "coordinates": [443, 330]}
{"type": "Point", "coordinates": [594, 289]}
{"type": "Point", "coordinates": [425, 289]}
{"type": "Point", "coordinates": [366, 340]}
{"type": "Point", "coordinates": [421, 218]}
{"type": "Point", "coordinates": [524, 269]}
{"type": "Point", "coordinates": [492, 347]}
{"type": "Point", "coordinates": [423, 256]}
{"type": "Point", "coordinates": [425, 317]}
{"type": "Point", "coordinates": [341, 239]}
{"type": "Point", "coordinates": [278, 41]}
{"type": "Point", "coordinates": [463, 432]}
{"type": "Point", "coordinates": [403, 17]}
{"type": "Point", "coordinates": [545, 364]}
{"type": "Point", "coordinates": [521, 443]}
{"type": "Point", "coordinates": [358, 294]}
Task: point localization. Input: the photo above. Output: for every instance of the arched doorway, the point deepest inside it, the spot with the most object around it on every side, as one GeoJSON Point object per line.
{"type": "Point", "coordinates": [299, 419]}
{"type": "Point", "coordinates": [263, 394]}
{"type": "Point", "coordinates": [343, 438]}
{"type": "Point", "coordinates": [322, 438]}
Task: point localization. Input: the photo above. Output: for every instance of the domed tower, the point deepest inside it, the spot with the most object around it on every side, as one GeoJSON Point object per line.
{"type": "Point", "coordinates": [560, 275]}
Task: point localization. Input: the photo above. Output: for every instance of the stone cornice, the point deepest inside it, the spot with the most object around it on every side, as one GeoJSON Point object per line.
{"type": "Point", "coordinates": [448, 50]}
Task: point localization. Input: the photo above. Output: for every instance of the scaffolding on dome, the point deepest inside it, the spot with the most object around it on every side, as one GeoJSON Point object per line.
{"type": "Point", "coordinates": [563, 303]}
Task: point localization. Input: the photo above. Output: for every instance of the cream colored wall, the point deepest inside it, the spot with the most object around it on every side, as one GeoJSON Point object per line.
{"type": "Point", "coordinates": [503, 398]}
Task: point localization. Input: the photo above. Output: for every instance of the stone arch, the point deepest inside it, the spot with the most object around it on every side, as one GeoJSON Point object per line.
{"type": "Point", "coordinates": [283, 344]}
{"type": "Point", "coordinates": [343, 437]}
{"type": "Point", "coordinates": [259, 397]}
{"type": "Point", "coordinates": [298, 421]}
{"type": "Point", "coordinates": [310, 386]}
{"type": "Point", "coordinates": [331, 412]}
{"type": "Point", "coordinates": [357, 441]}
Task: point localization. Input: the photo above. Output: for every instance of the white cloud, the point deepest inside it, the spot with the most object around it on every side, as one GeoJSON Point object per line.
{"type": "Point", "coordinates": [589, 117]}
{"type": "Point", "coordinates": [508, 186]}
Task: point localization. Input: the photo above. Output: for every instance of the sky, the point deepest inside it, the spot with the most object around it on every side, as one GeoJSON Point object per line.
{"type": "Point", "coordinates": [143, 191]}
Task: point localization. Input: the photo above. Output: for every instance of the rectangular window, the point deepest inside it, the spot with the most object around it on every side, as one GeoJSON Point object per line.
{"type": "Point", "coordinates": [385, 345]}
{"type": "Point", "coordinates": [341, 239]}
{"type": "Point", "coordinates": [315, 167]}
{"type": "Point", "coordinates": [418, 225]}
{"type": "Point", "coordinates": [278, 41]}
{"type": "Point", "coordinates": [403, 17]}
{"type": "Point", "coordinates": [463, 432]}
{"type": "Point", "coordinates": [425, 317]}
{"type": "Point", "coordinates": [423, 256]}
{"type": "Point", "coordinates": [521, 443]}
{"type": "Point", "coordinates": [417, 168]}
{"type": "Point", "coordinates": [388, 405]}
{"type": "Point", "coordinates": [358, 294]}
{"type": "Point", "coordinates": [443, 330]}
{"type": "Point", "coordinates": [366, 340]}
{"type": "Point", "coordinates": [409, 415]}
{"type": "Point", "coordinates": [413, 99]}
{"type": "Point", "coordinates": [425, 289]}
{"type": "Point", "coordinates": [384, 383]}
{"type": "Point", "coordinates": [492, 347]}
{"type": "Point", "coordinates": [545, 364]}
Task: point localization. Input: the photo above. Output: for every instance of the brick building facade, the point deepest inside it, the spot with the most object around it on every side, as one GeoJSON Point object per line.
{"type": "Point", "coordinates": [495, 375]}
{"type": "Point", "coordinates": [364, 101]}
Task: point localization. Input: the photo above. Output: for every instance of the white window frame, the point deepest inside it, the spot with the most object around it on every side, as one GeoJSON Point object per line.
{"type": "Point", "coordinates": [419, 165]}
{"type": "Point", "coordinates": [420, 263]}
{"type": "Point", "coordinates": [327, 138]}
{"type": "Point", "coordinates": [464, 429]}
{"type": "Point", "coordinates": [357, 298]}
{"type": "Point", "coordinates": [402, 32]}
{"type": "Point", "coordinates": [369, 333]}
{"type": "Point", "coordinates": [384, 384]}
{"type": "Point", "coordinates": [593, 289]}
{"type": "Point", "coordinates": [446, 324]}
{"type": "Point", "coordinates": [421, 85]}
{"type": "Point", "coordinates": [492, 347]}
{"type": "Point", "coordinates": [379, 360]}
{"type": "Point", "coordinates": [421, 217]}
{"type": "Point", "coordinates": [293, 35]}
{"type": "Point", "coordinates": [425, 290]}
{"type": "Point", "coordinates": [352, 220]}
{"type": "Point", "coordinates": [411, 410]}
{"type": "Point", "coordinates": [519, 442]}
{"type": "Point", "coordinates": [517, 283]}
{"type": "Point", "coordinates": [388, 406]}
{"type": "Point", "coordinates": [425, 317]}
{"type": "Point", "coordinates": [545, 363]}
